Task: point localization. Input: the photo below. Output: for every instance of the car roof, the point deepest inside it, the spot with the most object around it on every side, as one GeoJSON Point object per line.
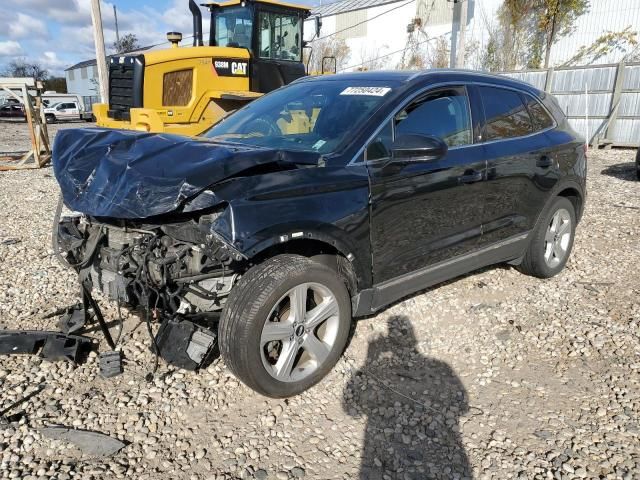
{"type": "Point", "coordinates": [427, 76]}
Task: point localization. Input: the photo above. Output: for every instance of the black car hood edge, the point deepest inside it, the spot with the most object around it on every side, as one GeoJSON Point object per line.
{"type": "Point", "coordinates": [134, 175]}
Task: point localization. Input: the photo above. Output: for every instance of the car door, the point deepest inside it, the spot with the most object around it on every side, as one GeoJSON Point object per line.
{"type": "Point", "coordinates": [61, 111]}
{"type": "Point", "coordinates": [73, 111]}
{"type": "Point", "coordinates": [69, 111]}
{"type": "Point", "coordinates": [425, 211]}
{"type": "Point", "coordinates": [520, 162]}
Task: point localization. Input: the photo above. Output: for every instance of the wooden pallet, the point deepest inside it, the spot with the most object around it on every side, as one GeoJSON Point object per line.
{"type": "Point", "coordinates": [40, 153]}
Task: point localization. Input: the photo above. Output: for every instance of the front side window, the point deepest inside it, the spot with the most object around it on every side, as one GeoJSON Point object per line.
{"type": "Point", "coordinates": [315, 117]}
{"type": "Point", "coordinates": [443, 113]}
{"type": "Point", "coordinates": [280, 36]}
{"type": "Point", "coordinates": [505, 113]}
{"type": "Point", "coordinates": [233, 27]}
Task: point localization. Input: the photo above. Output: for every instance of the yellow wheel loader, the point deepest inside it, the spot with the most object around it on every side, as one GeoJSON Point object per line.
{"type": "Point", "coordinates": [254, 46]}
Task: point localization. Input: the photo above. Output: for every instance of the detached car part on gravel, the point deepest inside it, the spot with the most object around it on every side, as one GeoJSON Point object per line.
{"type": "Point", "coordinates": [322, 201]}
{"type": "Point", "coordinates": [52, 346]}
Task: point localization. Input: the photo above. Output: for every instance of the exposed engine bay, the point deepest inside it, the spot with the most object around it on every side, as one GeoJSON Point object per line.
{"type": "Point", "coordinates": [174, 268]}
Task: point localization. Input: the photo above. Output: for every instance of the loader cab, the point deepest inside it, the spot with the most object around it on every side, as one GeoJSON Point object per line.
{"type": "Point", "coordinates": [271, 31]}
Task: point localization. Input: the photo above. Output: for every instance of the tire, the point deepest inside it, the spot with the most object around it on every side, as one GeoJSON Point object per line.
{"type": "Point", "coordinates": [541, 259]}
{"type": "Point", "coordinates": [50, 119]}
{"type": "Point", "coordinates": [638, 164]}
{"type": "Point", "coordinates": [264, 294]}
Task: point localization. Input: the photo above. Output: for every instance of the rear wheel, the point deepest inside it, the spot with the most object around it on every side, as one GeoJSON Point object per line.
{"type": "Point", "coordinates": [285, 325]}
{"type": "Point", "coordinates": [552, 241]}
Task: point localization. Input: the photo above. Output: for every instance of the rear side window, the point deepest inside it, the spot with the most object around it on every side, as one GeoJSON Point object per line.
{"type": "Point", "coordinates": [505, 113]}
{"type": "Point", "coordinates": [541, 119]}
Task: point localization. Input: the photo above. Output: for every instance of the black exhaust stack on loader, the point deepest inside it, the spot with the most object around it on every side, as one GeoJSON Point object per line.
{"type": "Point", "coordinates": [197, 23]}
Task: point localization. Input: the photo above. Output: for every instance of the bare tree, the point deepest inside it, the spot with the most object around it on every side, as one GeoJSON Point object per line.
{"type": "Point", "coordinates": [373, 58]}
{"type": "Point", "coordinates": [624, 41]}
{"type": "Point", "coordinates": [22, 67]}
{"type": "Point", "coordinates": [439, 54]}
{"type": "Point", "coordinates": [127, 43]}
{"type": "Point", "coordinates": [328, 49]}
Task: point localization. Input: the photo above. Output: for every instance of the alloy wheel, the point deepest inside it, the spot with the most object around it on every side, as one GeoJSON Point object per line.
{"type": "Point", "coordinates": [558, 238]}
{"type": "Point", "coordinates": [300, 332]}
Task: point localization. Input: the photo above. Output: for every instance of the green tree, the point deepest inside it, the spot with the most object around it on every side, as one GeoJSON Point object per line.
{"type": "Point", "coordinates": [127, 43]}
{"type": "Point", "coordinates": [510, 35]}
{"type": "Point", "coordinates": [56, 84]}
{"type": "Point", "coordinates": [556, 19]}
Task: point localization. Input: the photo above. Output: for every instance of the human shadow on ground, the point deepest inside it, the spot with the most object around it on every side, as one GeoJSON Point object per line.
{"type": "Point", "coordinates": [623, 171]}
{"type": "Point", "coordinates": [412, 405]}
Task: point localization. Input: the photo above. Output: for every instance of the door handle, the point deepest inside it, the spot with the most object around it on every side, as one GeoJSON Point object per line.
{"type": "Point", "coordinates": [544, 161]}
{"type": "Point", "coordinates": [471, 177]}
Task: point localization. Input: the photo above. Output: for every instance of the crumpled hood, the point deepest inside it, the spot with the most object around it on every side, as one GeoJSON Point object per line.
{"type": "Point", "coordinates": [133, 175]}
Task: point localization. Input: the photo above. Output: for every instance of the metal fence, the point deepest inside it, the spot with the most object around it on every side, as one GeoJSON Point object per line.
{"type": "Point", "coordinates": [601, 101]}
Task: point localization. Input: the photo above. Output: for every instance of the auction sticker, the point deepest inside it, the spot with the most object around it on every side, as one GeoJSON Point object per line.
{"type": "Point", "coordinates": [370, 91]}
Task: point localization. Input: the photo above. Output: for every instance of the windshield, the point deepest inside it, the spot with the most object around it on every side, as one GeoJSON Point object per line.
{"type": "Point", "coordinates": [309, 116]}
{"type": "Point", "coordinates": [233, 27]}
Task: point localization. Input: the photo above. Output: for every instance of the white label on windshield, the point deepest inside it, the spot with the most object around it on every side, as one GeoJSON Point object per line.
{"type": "Point", "coordinates": [318, 144]}
{"type": "Point", "coordinates": [371, 91]}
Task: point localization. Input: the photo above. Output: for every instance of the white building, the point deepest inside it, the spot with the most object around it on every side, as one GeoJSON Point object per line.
{"type": "Point", "coordinates": [82, 78]}
{"type": "Point", "coordinates": [376, 30]}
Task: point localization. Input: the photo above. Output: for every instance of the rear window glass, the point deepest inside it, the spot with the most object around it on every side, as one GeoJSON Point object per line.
{"type": "Point", "coordinates": [541, 119]}
{"type": "Point", "coordinates": [505, 113]}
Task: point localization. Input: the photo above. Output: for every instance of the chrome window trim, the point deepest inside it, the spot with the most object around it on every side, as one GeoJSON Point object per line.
{"type": "Point", "coordinates": [361, 150]}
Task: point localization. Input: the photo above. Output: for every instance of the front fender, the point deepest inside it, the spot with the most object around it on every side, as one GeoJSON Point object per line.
{"type": "Point", "coordinates": [330, 206]}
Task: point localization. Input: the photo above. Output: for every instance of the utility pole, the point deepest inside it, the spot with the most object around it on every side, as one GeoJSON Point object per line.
{"type": "Point", "coordinates": [460, 53]}
{"type": "Point", "coordinates": [101, 58]}
{"type": "Point", "coordinates": [115, 15]}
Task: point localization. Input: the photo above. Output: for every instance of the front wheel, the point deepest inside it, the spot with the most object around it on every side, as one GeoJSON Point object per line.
{"type": "Point", "coordinates": [552, 240]}
{"type": "Point", "coordinates": [50, 119]}
{"type": "Point", "coordinates": [285, 325]}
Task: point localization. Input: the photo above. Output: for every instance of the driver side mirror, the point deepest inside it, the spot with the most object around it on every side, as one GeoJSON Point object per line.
{"type": "Point", "coordinates": [415, 147]}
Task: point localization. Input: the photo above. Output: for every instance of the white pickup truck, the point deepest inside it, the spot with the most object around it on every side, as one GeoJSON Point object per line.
{"type": "Point", "coordinates": [67, 110]}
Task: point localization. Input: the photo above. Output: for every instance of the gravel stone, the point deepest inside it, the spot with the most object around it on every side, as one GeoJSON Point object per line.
{"type": "Point", "coordinates": [494, 375]}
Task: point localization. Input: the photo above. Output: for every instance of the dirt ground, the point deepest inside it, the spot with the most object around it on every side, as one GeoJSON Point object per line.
{"type": "Point", "coordinates": [493, 375]}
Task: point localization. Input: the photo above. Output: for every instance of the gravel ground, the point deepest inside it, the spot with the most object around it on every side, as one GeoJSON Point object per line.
{"type": "Point", "coordinates": [494, 375]}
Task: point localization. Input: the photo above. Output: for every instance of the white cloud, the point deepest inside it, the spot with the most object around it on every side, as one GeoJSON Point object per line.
{"type": "Point", "coordinates": [10, 48]}
{"type": "Point", "coordinates": [51, 62]}
{"type": "Point", "coordinates": [37, 29]}
{"type": "Point", "coordinates": [26, 26]}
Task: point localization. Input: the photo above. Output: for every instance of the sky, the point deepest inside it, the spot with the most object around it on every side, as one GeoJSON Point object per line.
{"type": "Point", "coordinates": [58, 33]}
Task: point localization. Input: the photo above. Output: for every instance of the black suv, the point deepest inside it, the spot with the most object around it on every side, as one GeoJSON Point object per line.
{"type": "Point", "coordinates": [322, 201]}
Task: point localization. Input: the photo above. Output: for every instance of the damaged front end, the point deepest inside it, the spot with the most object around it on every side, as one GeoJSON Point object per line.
{"type": "Point", "coordinates": [151, 232]}
{"type": "Point", "coordinates": [179, 273]}
{"type": "Point", "coordinates": [178, 268]}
